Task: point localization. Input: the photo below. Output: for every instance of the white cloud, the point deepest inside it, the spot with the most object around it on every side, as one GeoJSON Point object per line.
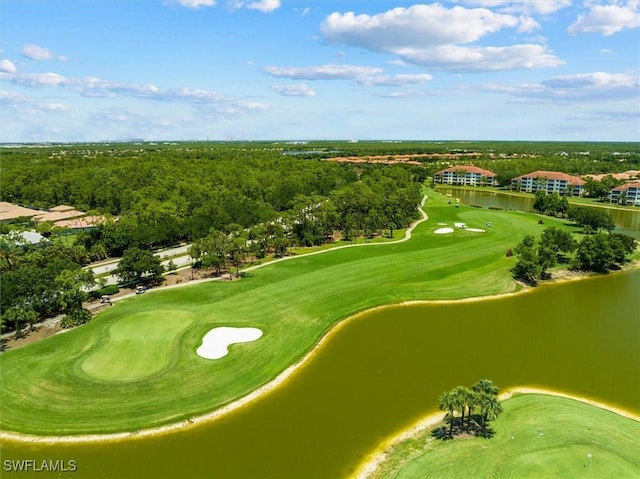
{"type": "Point", "coordinates": [607, 19]}
{"type": "Point", "coordinates": [297, 89]}
{"type": "Point", "coordinates": [518, 6]}
{"type": "Point", "coordinates": [265, 6]}
{"type": "Point", "coordinates": [596, 86]}
{"type": "Point", "coordinates": [26, 104]}
{"type": "Point", "coordinates": [528, 24]}
{"type": "Point", "coordinates": [469, 59]}
{"type": "Point", "coordinates": [419, 26]}
{"type": "Point", "coordinates": [403, 94]}
{"type": "Point", "coordinates": [395, 80]}
{"type": "Point", "coordinates": [438, 37]}
{"type": "Point", "coordinates": [35, 79]}
{"type": "Point", "coordinates": [99, 88]}
{"type": "Point", "coordinates": [36, 52]}
{"type": "Point", "coordinates": [7, 66]}
{"type": "Point", "coordinates": [195, 3]}
{"type": "Point", "coordinates": [323, 72]}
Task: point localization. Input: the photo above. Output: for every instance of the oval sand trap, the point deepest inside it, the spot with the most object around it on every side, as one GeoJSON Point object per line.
{"type": "Point", "coordinates": [475, 230]}
{"type": "Point", "coordinates": [443, 231]}
{"type": "Point", "coordinates": [215, 344]}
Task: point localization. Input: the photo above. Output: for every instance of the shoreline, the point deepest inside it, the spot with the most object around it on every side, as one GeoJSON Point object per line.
{"type": "Point", "coordinates": [375, 459]}
{"type": "Point", "coordinates": [296, 367]}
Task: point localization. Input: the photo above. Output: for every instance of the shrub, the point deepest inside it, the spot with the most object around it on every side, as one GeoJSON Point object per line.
{"type": "Point", "coordinates": [107, 290]}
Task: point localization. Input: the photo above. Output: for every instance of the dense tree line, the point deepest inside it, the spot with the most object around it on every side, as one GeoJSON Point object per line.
{"type": "Point", "coordinates": [235, 205]}
{"type": "Point", "coordinates": [40, 281]}
{"type": "Point", "coordinates": [159, 197]}
{"type": "Point", "coordinates": [550, 204]}
{"type": "Point", "coordinates": [594, 252]}
{"type": "Point", "coordinates": [592, 219]}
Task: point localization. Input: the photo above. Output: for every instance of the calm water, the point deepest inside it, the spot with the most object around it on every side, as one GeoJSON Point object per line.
{"type": "Point", "coordinates": [385, 369]}
{"type": "Point", "coordinates": [627, 221]}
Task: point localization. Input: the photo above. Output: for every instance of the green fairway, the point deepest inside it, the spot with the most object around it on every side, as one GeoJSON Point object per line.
{"type": "Point", "coordinates": [538, 436]}
{"type": "Point", "coordinates": [135, 365]}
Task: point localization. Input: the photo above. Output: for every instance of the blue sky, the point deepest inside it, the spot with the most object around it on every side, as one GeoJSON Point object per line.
{"type": "Point", "coordinates": [96, 70]}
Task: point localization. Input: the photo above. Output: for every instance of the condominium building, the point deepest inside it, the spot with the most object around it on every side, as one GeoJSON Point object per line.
{"type": "Point", "coordinates": [628, 194]}
{"type": "Point", "coordinates": [550, 182]}
{"type": "Point", "coordinates": [465, 175]}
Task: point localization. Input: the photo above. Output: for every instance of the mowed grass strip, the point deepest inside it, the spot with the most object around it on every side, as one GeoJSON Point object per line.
{"type": "Point", "coordinates": [538, 436]}
{"type": "Point", "coordinates": [102, 378]}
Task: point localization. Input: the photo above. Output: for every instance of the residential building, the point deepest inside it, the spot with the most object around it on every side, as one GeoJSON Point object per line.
{"type": "Point", "coordinates": [629, 194]}
{"type": "Point", "coordinates": [467, 175]}
{"type": "Point", "coordinates": [550, 182]}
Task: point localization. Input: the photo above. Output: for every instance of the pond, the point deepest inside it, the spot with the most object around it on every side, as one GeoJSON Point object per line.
{"type": "Point", "coordinates": [627, 220]}
{"type": "Point", "coordinates": [383, 370]}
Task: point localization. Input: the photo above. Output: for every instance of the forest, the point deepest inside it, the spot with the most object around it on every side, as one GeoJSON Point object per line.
{"type": "Point", "coordinates": [233, 201]}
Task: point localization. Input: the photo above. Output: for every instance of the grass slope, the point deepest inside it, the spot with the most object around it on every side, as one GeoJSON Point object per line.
{"type": "Point", "coordinates": [134, 366]}
{"type": "Point", "coordinates": [538, 436]}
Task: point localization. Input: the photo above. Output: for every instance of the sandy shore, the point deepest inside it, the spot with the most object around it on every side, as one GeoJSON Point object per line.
{"type": "Point", "coordinates": [370, 465]}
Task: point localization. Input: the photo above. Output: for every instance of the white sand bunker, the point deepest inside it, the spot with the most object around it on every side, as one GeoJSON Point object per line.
{"type": "Point", "coordinates": [460, 225]}
{"type": "Point", "coordinates": [215, 343]}
{"type": "Point", "coordinates": [475, 230]}
{"type": "Point", "coordinates": [443, 231]}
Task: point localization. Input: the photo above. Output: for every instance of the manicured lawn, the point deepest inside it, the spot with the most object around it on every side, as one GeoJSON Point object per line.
{"type": "Point", "coordinates": [538, 436]}
{"type": "Point", "coordinates": [135, 365]}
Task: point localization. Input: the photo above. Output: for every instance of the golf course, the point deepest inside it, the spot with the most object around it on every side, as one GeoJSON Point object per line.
{"type": "Point", "coordinates": [135, 365]}
{"type": "Point", "coordinates": [173, 358]}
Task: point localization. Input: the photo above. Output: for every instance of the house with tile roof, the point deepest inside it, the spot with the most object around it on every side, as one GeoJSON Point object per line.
{"type": "Point", "coordinates": [550, 182]}
{"type": "Point", "coordinates": [466, 175]}
{"type": "Point", "coordinates": [628, 193]}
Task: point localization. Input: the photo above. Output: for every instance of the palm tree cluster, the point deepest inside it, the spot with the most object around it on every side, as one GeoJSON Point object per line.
{"type": "Point", "coordinates": [482, 397]}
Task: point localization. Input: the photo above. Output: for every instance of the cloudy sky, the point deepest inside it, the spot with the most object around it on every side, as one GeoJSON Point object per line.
{"type": "Point", "coordinates": [97, 70]}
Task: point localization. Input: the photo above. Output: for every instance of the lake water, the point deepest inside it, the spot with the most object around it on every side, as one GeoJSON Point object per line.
{"type": "Point", "coordinates": [385, 369]}
{"type": "Point", "coordinates": [627, 221]}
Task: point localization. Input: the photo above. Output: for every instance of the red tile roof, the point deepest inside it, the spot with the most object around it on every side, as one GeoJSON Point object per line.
{"type": "Point", "coordinates": [468, 169]}
{"type": "Point", "coordinates": [626, 186]}
{"type": "Point", "coordinates": [553, 175]}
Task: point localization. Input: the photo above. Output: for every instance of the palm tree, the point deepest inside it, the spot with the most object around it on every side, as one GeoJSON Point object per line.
{"type": "Point", "coordinates": [447, 403]}
{"type": "Point", "coordinates": [16, 315]}
{"type": "Point", "coordinates": [472, 401]}
{"type": "Point", "coordinates": [490, 408]}
{"type": "Point", "coordinates": [461, 396]}
{"type": "Point", "coordinates": [485, 386]}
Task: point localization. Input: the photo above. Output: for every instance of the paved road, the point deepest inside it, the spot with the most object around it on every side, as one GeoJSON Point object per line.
{"type": "Point", "coordinates": [182, 261]}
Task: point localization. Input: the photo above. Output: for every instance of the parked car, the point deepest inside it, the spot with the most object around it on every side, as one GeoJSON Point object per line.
{"type": "Point", "coordinates": [105, 299]}
{"type": "Point", "coordinates": [140, 289]}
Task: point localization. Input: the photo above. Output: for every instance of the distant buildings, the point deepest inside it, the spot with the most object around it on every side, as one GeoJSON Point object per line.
{"type": "Point", "coordinates": [61, 216]}
{"type": "Point", "coordinates": [550, 182]}
{"type": "Point", "coordinates": [628, 194]}
{"type": "Point", "coordinates": [625, 175]}
{"type": "Point", "coordinates": [466, 175]}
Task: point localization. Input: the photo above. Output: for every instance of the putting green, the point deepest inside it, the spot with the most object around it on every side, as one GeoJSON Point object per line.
{"type": "Point", "coordinates": [139, 345]}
